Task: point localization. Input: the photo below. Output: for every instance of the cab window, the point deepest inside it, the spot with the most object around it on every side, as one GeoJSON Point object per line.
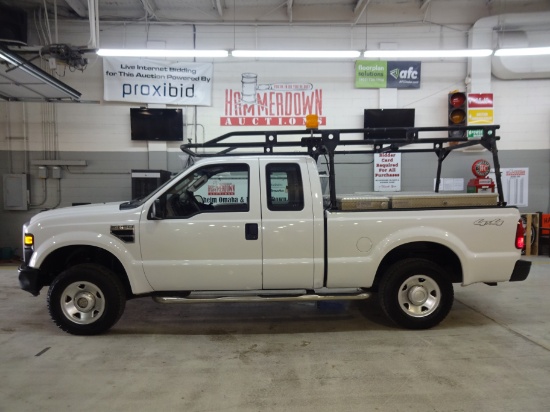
{"type": "Point", "coordinates": [285, 191]}
{"type": "Point", "coordinates": [210, 189]}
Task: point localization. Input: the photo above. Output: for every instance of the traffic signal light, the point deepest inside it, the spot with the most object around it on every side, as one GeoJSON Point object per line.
{"type": "Point", "coordinates": [458, 113]}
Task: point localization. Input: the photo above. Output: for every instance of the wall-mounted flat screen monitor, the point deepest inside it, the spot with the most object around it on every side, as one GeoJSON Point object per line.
{"type": "Point", "coordinates": [381, 118]}
{"type": "Point", "coordinates": [156, 124]}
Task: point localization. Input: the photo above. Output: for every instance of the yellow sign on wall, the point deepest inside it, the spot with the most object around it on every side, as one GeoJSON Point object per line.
{"type": "Point", "coordinates": [480, 116]}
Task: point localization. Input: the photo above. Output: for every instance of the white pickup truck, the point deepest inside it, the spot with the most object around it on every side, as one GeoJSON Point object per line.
{"type": "Point", "coordinates": [257, 228]}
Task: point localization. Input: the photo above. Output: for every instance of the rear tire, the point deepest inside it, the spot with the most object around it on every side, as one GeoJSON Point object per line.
{"type": "Point", "coordinates": [416, 293]}
{"type": "Point", "coordinates": [86, 299]}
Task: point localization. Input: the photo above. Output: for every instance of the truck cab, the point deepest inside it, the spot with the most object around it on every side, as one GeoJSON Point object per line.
{"type": "Point", "coordinates": [233, 223]}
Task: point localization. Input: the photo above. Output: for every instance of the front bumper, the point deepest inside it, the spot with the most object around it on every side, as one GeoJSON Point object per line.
{"type": "Point", "coordinates": [30, 279]}
{"type": "Point", "coordinates": [521, 270]}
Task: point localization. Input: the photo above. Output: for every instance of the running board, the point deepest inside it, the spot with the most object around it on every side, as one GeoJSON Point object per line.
{"type": "Point", "coordinates": [203, 298]}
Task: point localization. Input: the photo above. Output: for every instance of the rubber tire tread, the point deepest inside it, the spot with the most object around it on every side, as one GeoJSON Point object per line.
{"type": "Point", "coordinates": [394, 277]}
{"type": "Point", "coordinates": [106, 280]}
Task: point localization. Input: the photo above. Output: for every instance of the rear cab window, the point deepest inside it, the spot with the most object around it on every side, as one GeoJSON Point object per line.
{"type": "Point", "coordinates": [285, 190]}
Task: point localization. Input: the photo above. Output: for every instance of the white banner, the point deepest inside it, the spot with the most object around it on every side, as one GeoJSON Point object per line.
{"type": "Point", "coordinates": [132, 79]}
{"type": "Point", "coordinates": [387, 172]}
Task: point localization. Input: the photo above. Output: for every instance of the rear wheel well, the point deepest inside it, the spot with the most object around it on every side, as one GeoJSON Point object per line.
{"type": "Point", "coordinates": [437, 253]}
{"type": "Point", "coordinates": [69, 256]}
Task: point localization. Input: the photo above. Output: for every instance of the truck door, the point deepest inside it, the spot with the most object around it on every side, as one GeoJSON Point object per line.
{"type": "Point", "coordinates": [209, 235]}
{"type": "Point", "coordinates": [287, 225]}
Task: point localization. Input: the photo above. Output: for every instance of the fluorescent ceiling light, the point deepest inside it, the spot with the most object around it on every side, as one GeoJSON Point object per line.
{"type": "Point", "coordinates": [300, 54]}
{"type": "Point", "coordinates": [429, 53]}
{"type": "Point", "coordinates": [161, 53]}
{"type": "Point", "coordinates": [524, 51]}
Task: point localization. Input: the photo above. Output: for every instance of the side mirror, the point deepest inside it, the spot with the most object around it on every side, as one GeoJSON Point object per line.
{"type": "Point", "coordinates": [157, 211]}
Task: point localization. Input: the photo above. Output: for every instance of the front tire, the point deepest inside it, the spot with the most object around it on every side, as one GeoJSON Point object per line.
{"type": "Point", "coordinates": [416, 293]}
{"type": "Point", "coordinates": [86, 299]}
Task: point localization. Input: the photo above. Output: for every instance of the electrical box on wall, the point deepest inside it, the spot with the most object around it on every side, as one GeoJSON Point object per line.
{"type": "Point", "coordinates": [42, 172]}
{"type": "Point", "coordinates": [15, 192]}
{"type": "Point", "coordinates": [56, 172]}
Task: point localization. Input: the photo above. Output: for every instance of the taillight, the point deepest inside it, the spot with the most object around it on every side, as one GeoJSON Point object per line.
{"type": "Point", "coordinates": [520, 235]}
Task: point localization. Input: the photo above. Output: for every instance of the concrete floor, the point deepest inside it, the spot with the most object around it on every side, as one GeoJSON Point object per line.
{"type": "Point", "coordinates": [491, 354]}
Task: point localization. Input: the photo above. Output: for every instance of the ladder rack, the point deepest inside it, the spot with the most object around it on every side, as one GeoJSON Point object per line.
{"type": "Point", "coordinates": [331, 142]}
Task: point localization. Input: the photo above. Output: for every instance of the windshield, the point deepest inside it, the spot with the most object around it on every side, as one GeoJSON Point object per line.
{"type": "Point", "coordinates": [138, 202]}
{"type": "Point", "coordinates": [191, 182]}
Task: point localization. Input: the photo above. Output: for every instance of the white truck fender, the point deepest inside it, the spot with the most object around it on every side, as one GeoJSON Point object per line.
{"type": "Point", "coordinates": [132, 264]}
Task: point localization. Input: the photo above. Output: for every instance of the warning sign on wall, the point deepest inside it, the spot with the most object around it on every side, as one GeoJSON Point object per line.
{"type": "Point", "coordinates": [480, 112]}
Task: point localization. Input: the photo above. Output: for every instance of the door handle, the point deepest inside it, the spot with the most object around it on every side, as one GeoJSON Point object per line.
{"type": "Point", "coordinates": [251, 231]}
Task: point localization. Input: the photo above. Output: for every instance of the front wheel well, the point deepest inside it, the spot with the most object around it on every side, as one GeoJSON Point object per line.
{"type": "Point", "coordinates": [69, 256]}
{"type": "Point", "coordinates": [435, 252]}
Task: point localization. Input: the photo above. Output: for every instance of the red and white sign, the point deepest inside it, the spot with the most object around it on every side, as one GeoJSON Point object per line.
{"type": "Point", "coordinates": [481, 168]}
{"type": "Point", "coordinates": [222, 189]}
{"type": "Point", "coordinates": [480, 100]}
{"type": "Point", "coordinates": [276, 104]}
{"type": "Point", "coordinates": [480, 109]}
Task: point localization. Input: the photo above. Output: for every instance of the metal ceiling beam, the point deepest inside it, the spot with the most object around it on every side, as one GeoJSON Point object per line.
{"type": "Point", "coordinates": [424, 5]}
{"type": "Point", "coordinates": [359, 9]}
{"type": "Point", "coordinates": [150, 8]}
{"type": "Point", "coordinates": [357, 5]}
{"type": "Point", "coordinates": [80, 7]}
{"type": "Point", "coordinates": [218, 4]}
{"type": "Point", "coordinates": [289, 5]}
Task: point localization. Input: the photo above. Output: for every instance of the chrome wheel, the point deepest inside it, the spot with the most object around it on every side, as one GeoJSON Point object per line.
{"type": "Point", "coordinates": [82, 302]}
{"type": "Point", "coordinates": [419, 296]}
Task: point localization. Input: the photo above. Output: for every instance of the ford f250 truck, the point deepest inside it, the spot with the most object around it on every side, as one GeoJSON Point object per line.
{"type": "Point", "coordinates": [239, 226]}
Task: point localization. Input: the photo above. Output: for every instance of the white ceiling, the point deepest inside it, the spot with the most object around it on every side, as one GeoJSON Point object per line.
{"type": "Point", "coordinates": [273, 13]}
{"type": "Point", "coordinates": [257, 11]}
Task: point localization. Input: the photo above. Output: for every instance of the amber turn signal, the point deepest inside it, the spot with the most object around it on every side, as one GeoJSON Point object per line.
{"type": "Point", "coordinates": [29, 239]}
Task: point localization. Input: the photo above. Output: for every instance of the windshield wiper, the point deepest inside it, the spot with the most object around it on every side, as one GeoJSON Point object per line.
{"type": "Point", "coordinates": [131, 204]}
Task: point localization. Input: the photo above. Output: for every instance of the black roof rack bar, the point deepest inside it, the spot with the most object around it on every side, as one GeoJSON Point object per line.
{"type": "Point", "coordinates": [330, 142]}
{"type": "Point", "coordinates": [332, 138]}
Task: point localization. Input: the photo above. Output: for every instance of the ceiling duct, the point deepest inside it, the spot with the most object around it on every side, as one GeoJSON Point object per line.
{"type": "Point", "coordinates": [509, 31]}
{"type": "Point", "coordinates": [512, 39]}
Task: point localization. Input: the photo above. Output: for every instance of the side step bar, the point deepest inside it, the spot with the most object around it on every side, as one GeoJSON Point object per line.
{"type": "Point", "coordinates": [281, 297]}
